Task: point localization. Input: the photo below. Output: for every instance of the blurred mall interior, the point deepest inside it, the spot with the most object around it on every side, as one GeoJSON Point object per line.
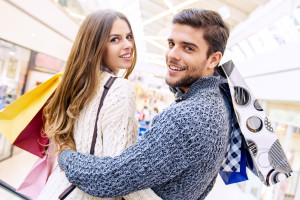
{"type": "Point", "coordinates": [36, 37]}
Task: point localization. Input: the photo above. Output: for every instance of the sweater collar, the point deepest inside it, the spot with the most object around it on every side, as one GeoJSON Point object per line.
{"type": "Point", "coordinates": [202, 84]}
{"type": "Point", "coordinates": [107, 69]}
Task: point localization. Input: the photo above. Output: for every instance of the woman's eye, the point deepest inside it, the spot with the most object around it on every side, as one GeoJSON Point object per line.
{"type": "Point", "coordinates": [114, 39]}
{"type": "Point", "coordinates": [129, 37]}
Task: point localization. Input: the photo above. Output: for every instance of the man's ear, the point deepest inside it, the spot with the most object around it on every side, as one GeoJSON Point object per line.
{"type": "Point", "coordinates": [214, 59]}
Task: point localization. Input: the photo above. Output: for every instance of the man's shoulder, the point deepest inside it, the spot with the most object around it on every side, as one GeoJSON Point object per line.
{"type": "Point", "coordinates": [204, 107]}
{"type": "Point", "coordinates": [209, 99]}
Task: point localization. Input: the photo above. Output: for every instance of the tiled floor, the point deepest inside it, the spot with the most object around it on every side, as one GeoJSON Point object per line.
{"type": "Point", "coordinates": [14, 170]}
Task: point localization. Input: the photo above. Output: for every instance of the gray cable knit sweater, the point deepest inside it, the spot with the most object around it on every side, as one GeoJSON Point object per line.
{"type": "Point", "coordinates": [178, 157]}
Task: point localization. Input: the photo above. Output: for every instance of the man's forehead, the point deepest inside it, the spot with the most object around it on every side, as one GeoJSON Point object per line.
{"type": "Point", "coordinates": [184, 29]}
{"type": "Point", "coordinates": [185, 33]}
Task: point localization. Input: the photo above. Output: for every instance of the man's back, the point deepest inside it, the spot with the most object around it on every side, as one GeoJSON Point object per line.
{"type": "Point", "coordinates": [203, 125]}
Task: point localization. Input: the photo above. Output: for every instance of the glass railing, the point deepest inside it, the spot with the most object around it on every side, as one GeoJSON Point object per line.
{"type": "Point", "coordinates": [5, 148]}
{"type": "Point", "coordinates": [7, 192]}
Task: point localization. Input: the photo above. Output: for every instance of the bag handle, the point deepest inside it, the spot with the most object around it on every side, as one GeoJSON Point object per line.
{"type": "Point", "coordinates": [107, 86]}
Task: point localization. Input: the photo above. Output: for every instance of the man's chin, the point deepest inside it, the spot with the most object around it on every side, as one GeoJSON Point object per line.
{"type": "Point", "coordinates": [170, 83]}
{"type": "Point", "coordinates": [183, 82]}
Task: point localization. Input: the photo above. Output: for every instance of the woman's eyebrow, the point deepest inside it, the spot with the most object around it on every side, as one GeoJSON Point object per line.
{"type": "Point", "coordinates": [114, 34]}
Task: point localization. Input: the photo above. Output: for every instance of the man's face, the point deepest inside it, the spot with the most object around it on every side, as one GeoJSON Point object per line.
{"type": "Point", "coordinates": [186, 56]}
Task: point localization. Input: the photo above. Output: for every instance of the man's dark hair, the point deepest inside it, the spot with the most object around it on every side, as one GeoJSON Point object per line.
{"type": "Point", "coordinates": [216, 31]}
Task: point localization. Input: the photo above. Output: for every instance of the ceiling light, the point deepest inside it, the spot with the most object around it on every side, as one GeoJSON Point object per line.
{"type": "Point", "coordinates": [224, 11]}
{"type": "Point", "coordinates": [169, 11]}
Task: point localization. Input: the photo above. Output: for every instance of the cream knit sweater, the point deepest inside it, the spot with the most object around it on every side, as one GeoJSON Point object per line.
{"type": "Point", "coordinates": [117, 125]}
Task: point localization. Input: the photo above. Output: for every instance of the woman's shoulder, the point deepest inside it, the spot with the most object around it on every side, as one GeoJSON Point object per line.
{"type": "Point", "coordinates": [122, 87]}
{"type": "Point", "coordinates": [119, 82]}
{"type": "Point", "coordinates": [122, 83]}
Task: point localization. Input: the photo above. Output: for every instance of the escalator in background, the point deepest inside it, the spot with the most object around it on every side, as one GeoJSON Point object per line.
{"type": "Point", "coordinates": [9, 193]}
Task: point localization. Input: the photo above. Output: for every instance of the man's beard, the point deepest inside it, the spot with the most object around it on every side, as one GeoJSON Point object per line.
{"type": "Point", "coordinates": [194, 74]}
{"type": "Point", "coordinates": [186, 81]}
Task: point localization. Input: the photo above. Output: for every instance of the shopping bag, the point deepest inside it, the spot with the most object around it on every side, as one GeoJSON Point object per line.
{"type": "Point", "coordinates": [233, 168]}
{"type": "Point", "coordinates": [235, 177]}
{"type": "Point", "coordinates": [21, 121]}
{"type": "Point", "coordinates": [33, 132]}
{"type": "Point", "coordinates": [37, 177]}
{"type": "Point", "coordinates": [266, 156]}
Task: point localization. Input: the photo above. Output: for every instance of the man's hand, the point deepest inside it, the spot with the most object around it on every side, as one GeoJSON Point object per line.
{"type": "Point", "coordinates": [63, 158]}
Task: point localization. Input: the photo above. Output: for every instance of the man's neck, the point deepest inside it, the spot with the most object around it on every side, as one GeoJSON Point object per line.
{"type": "Point", "coordinates": [185, 89]}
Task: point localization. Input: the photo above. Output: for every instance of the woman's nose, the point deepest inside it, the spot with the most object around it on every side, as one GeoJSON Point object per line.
{"type": "Point", "coordinates": [128, 44]}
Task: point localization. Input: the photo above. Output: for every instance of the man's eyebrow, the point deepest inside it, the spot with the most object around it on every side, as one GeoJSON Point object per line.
{"type": "Point", "coordinates": [191, 44]}
{"type": "Point", "coordinates": [185, 43]}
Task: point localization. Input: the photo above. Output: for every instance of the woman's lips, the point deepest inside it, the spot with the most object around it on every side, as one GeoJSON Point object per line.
{"type": "Point", "coordinates": [126, 56]}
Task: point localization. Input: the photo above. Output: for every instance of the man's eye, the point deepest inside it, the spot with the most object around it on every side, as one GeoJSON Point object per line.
{"type": "Point", "coordinates": [171, 44]}
{"type": "Point", "coordinates": [114, 39]}
{"type": "Point", "coordinates": [189, 49]}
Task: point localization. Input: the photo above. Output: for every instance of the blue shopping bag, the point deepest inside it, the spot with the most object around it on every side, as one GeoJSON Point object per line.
{"type": "Point", "coordinates": [235, 177]}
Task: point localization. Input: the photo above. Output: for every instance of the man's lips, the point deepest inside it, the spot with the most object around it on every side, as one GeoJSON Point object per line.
{"type": "Point", "coordinates": [175, 68]}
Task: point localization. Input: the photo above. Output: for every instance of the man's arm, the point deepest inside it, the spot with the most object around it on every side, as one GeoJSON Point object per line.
{"type": "Point", "coordinates": [161, 154]}
{"type": "Point", "coordinates": [120, 128]}
{"type": "Point", "coordinates": [143, 165]}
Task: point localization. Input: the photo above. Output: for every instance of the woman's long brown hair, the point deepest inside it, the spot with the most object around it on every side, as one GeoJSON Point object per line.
{"type": "Point", "coordinates": [81, 77]}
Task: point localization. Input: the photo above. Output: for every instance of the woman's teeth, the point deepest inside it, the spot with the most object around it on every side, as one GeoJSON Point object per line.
{"type": "Point", "coordinates": [125, 56]}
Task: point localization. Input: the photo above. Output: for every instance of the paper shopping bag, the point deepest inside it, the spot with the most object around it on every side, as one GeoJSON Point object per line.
{"type": "Point", "coordinates": [32, 138]}
{"type": "Point", "coordinates": [230, 177]}
{"type": "Point", "coordinates": [37, 177]}
{"type": "Point", "coordinates": [233, 168]}
{"type": "Point", "coordinates": [267, 159]}
{"type": "Point", "coordinates": [21, 121]}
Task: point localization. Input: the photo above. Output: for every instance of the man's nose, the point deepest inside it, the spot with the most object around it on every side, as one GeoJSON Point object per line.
{"type": "Point", "coordinates": [173, 53]}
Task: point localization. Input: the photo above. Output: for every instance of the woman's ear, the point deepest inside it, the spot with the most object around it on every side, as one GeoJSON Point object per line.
{"type": "Point", "coordinates": [214, 59]}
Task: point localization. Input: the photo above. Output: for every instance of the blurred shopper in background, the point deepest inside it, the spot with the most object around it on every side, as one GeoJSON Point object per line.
{"type": "Point", "coordinates": [180, 156]}
{"type": "Point", "coordinates": [104, 45]}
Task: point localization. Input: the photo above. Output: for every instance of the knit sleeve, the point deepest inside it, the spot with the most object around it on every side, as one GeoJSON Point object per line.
{"type": "Point", "coordinates": [181, 137]}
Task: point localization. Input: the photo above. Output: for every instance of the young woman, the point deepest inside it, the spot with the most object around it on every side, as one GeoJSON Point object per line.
{"type": "Point", "coordinates": [104, 45]}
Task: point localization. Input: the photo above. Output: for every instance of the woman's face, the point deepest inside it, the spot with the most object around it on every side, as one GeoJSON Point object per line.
{"type": "Point", "coordinates": [118, 53]}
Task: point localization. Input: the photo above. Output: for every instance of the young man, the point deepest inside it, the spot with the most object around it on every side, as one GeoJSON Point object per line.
{"type": "Point", "coordinates": [180, 155]}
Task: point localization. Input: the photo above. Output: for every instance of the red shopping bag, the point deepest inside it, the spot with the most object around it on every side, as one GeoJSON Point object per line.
{"type": "Point", "coordinates": [34, 131]}
{"type": "Point", "coordinates": [21, 122]}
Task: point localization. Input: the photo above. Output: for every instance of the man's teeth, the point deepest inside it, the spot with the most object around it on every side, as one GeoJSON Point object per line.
{"type": "Point", "coordinates": [126, 56]}
{"type": "Point", "coordinates": [175, 68]}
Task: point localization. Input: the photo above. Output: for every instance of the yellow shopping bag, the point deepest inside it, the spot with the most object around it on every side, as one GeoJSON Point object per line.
{"type": "Point", "coordinates": [21, 121]}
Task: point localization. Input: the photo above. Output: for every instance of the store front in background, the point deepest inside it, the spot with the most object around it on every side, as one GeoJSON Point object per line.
{"type": "Point", "coordinates": [21, 70]}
